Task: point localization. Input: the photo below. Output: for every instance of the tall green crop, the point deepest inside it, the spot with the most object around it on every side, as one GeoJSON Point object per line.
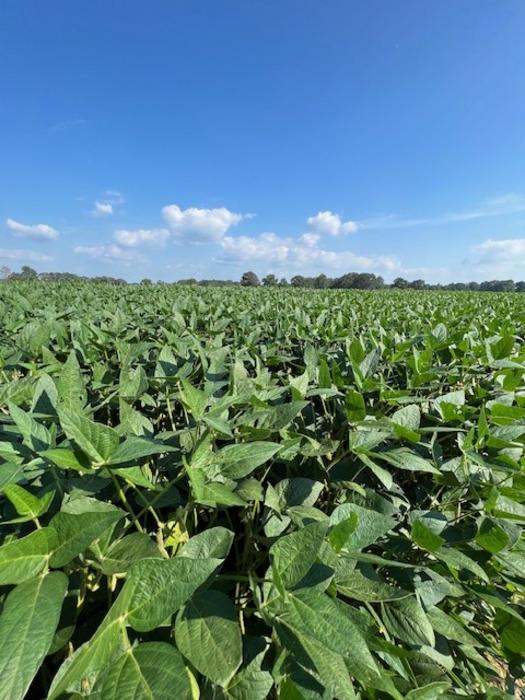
{"type": "Point", "coordinates": [243, 494]}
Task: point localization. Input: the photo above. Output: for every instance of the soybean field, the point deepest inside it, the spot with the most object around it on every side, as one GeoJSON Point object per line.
{"type": "Point", "coordinates": [240, 494]}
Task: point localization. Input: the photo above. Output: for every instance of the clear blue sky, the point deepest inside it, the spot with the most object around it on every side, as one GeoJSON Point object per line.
{"type": "Point", "coordinates": [203, 138]}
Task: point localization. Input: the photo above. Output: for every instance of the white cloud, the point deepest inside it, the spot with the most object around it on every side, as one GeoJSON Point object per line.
{"type": "Point", "coordinates": [35, 231]}
{"type": "Point", "coordinates": [200, 224]}
{"type": "Point", "coordinates": [301, 255]}
{"type": "Point", "coordinates": [23, 255]}
{"type": "Point", "coordinates": [109, 205]}
{"type": "Point", "coordinates": [155, 237]}
{"type": "Point", "coordinates": [328, 223]}
{"type": "Point", "coordinates": [103, 209]}
{"type": "Point", "coordinates": [511, 250]}
{"type": "Point", "coordinates": [267, 247]}
{"type": "Point", "coordinates": [109, 253]}
{"type": "Point", "coordinates": [310, 239]}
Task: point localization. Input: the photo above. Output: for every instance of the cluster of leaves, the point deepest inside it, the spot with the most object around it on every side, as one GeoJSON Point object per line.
{"type": "Point", "coordinates": [269, 493]}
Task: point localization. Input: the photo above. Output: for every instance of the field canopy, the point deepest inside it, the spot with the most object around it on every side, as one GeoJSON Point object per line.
{"type": "Point", "coordinates": [243, 494]}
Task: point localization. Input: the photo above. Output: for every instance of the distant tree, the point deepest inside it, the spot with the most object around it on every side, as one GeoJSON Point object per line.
{"type": "Point", "coordinates": [400, 283]}
{"type": "Point", "coordinates": [321, 282]}
{"type": "Point", "coordinates": [5, 272]}
{"type": "Point", "coordinates": [366, 280]}
{"type": "Point", "coordinates": [520, 286]}
{"type": "Point", "coordinates": [346, 281]}
{"type": "Point", "coordinates": [270, 281]}
{"type": "Point", "coordinates": [146, 280]}
{"type": "Point", "coordinates": [283, 282]}
{"type": "Point", "coordinates": [298, 281]}
{"type": "Point", "coordinates": [506, 286]}
{"type": "Point", "coordinates": [497, 286]}
{"type": "Point", "coordinates": [250, 279]}
{"type": "Point", "coordinates": [28, 273]}
{"type": "Point", "coordinates": [418, 284]}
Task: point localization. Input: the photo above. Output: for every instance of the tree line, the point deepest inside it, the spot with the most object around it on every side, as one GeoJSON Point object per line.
{"type": "Point", "coordinates": [367, 280]}
{"type": "Point", "coordinates": [351, 280]}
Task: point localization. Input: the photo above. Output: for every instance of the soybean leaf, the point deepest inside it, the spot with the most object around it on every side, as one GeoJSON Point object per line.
{"type": "Point", "coordinates": [76, 531]}
{"type": "Point", "coordinates": [237, 461]}
{"type": "Point", "coordinates": [150, 670]}
{"type": "Point", "coordinates": [293, 555]}
{"type": "Point", "coordinates": [161, 587]}
{"type": "Point", "coordinates": [208, 634]}
{"type": "Point", "coordinates": [27, 624]}
{"type": "Point", "coordinates": [97, 440]}
{"type": "Point", "coordinates": [26, 557]}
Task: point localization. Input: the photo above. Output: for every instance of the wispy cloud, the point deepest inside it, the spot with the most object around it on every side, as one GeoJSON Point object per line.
{"type": "Point", "coordinates": [154, 238]}
{"type": "Point", "coordinates": [108, 205]}
{"type": "Point", "coordinates": [496, 206]}
{"type": "Point", "coordinates": [38, 232]}
{"type": "Point", "coordinates": [23, 255]}
{"type": "Point", "coordinates": [508, 251]}
{"type": "Point", "coordinates": [109, 253]}
{"type": "Point", "coordinates": [69, 124]}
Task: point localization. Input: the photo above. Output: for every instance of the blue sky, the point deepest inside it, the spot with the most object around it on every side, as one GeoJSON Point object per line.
{"type": "Point", "coordinates": [172, 138]}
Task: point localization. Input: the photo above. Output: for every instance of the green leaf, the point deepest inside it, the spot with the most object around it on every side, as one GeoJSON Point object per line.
{"type": "Point", "coordinates": [325, 627]}
{"type": "Point", "coordinates": [27, 505]}
{"type": "Point", "coordinates": [293, 555]}
{"type": "Point", "coordinates": [153, 670]}
{"type": "Point", "coordinates": [136, 448]}
{"type": "Point", "coordinates": [491, 536]}
{"type": "Point", "coordinates": [124, 552]}
{"type": "Point", "coordinates": [251, 682]}
{"type": "Point", "coordinates": [97, 440]}
{"type": "Point", "coordinates": [403, 458]}
{"type": "Point", "coordinates": [450, 627]}
{"type": "Point", "coordinates": [27, 626]}
{"type": "Point", "coordinates": [370, 526]}
{"type": "Point", "coordinates": [76, 531]}
{"type": "Point", "coordinates": [79, 672]}
{"type": "Point", "coordinates": [513, 636]}
{"type": "Point", "coordinates": [406, 620]}
{"type": "Point", "coordinates": [454, 398]}
{"type": "Point", "coordinates": [10, 472]}
{"type": "Point", "coordinates": [35, 435]}
{"type": "Point", "coordinates": [194, 399]}
{"type": "Point", "coordinates": [355, 406]}
{"type": "Point", "coordinates": [64, 458]}
{"type": "Point", "coordinates": [26, 557]}
{"type": "Point", "coordinates": [505, 507]}
{"type": "Point", "coordinates": [428, 692]}
{"type": "Point", "coordinates": [214, 543]}
{"type": "Point", "coordinates": [408, 417]}
{"type": "Point", "coordinates": [237, 461]}
{"type": "Point", "coordinates": [45, 397]}
{"type": "Point", "coordinates": [340, 533]}
{"type": "Point", "coordinates": [424, 537]}
{"type": "Point", "coordinates": [161, 587]}
{"type": "Point", "coordinates": [208, 634]}
{"type": "Point", "coordinates": [70, 384]}
{"type": "Point", "coordinates": [460, 561]}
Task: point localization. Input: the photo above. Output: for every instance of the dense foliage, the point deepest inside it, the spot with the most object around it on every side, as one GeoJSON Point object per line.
{"type": "Point", "coordinates": [350, 280]}
{"type": "Point", "coordinates": [260, 493]}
